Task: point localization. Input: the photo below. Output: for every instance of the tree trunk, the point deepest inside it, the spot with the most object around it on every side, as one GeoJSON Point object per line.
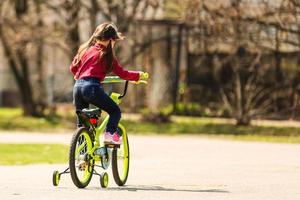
{"type": "Point", "coordinates": [73, 9]}
{"type": "Point", "coordinates": [278, 71]}
{"type": "Point", "coordinates": [93, 14]}
{"type": "Point", "coordinates": [41, 88]}
{"type": "Point", "coordinates": [21, 76]}
{"type": "Point", "coordinates": [243, 120]}
{"type": "Point", "coordinates": [25, 87]}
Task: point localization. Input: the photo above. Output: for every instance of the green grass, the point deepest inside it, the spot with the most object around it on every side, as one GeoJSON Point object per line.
{"type": "Point", "coordinates": [13, 119]}
{"type": "Point", "coordinates": [262, 138]}
{"type": "Point", "coordinates": [22, 154]}
{"type": "Point", "coordinates": [203, 127]}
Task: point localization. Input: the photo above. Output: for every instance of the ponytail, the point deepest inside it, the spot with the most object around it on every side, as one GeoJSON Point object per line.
{"type": "Point", "coordinates": [109, 57]}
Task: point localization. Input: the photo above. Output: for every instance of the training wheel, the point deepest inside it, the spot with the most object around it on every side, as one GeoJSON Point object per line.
{"type": "Point", "coordinates": [55, 178]}
{"type": "Point", "coordinates": [104, 180]}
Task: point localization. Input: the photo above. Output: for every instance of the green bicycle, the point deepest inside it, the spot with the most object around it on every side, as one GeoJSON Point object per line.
{"type": "Point", "coordinates": [88, 152]}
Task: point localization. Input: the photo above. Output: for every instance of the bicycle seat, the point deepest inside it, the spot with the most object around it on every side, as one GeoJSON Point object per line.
{"type": "Point", "coordinates": [92, 112]}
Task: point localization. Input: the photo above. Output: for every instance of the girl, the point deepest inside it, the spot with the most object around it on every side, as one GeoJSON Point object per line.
{"type": "Point", "coordinates": [95, 58]}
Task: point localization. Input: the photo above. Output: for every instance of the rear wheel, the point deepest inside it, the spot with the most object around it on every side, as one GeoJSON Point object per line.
{"type": "Point", "coordinates": [120, 159]}
{"type": "Point", "coordinates": [80, 162]}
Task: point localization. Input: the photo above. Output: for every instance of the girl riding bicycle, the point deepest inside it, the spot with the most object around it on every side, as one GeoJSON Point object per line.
{"type": "Point", "coordinates": [95, 58]}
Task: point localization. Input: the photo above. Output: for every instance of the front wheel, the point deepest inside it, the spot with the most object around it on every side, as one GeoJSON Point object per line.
{"type": "Point", "coordinates": [80, 162]}
{"type": "Point", "coordinates": [120, 159]}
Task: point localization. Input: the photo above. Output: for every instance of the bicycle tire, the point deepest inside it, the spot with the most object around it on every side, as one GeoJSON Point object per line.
{"type": "Point", "coordinates": [88, 172]}
{"type": "Point", "coordinates": [121, 178]}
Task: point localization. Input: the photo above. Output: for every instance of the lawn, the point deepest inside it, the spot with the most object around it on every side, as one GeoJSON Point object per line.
{"type": "Point", "coordinates": [216, 129]}
{"type": "Point", "coordinates": [203, 126]}
{"type": "Point", "coordinates": [12, 119]}
{"type": "Point", "coordinates": [21, 154]}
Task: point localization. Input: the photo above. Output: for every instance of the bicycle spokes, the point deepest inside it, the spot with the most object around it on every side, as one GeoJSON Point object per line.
{"type": "Point", "coordinates": [82, 163]}
{"type": "Point", "coordinates": [120, 161]}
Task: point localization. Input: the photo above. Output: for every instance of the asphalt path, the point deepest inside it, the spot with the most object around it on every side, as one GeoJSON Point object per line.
{"type": "Point", "coordinates": [168, 167]}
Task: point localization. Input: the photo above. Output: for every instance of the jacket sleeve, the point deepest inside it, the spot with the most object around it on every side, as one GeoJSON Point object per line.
{"type": "Point", "coordinates": [73, 67]}
{"type": "Point", "coordinates": [125, 74]}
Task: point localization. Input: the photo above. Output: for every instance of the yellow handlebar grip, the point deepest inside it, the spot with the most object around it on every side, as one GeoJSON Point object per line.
{"type": "Point", "coordinates": [144, 75]}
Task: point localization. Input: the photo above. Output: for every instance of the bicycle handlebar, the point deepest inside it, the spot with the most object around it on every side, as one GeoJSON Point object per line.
{"type": "Point", "coordinates": [125, 90]}
{"type": "Point", "coordinates": [117, 79]}
{"type": "Point", "coordinates": [113, 79]}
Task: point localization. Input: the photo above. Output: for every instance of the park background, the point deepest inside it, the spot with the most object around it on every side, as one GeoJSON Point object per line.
{"type": "Point", "coordinates": [219, 68]}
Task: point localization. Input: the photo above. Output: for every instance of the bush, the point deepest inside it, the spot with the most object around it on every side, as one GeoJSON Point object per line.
{"type": "Point", "coordinates": [163, 116]}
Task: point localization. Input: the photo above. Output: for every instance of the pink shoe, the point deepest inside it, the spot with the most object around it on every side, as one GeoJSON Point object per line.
{"type": "Point", "coordinates": [116, 138]}
{"type": "Point", "coordinates": [108, 138]}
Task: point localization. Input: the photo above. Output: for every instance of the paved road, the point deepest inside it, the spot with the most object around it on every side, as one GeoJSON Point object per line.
{"type": "Point", "coordinates": [173, 167]}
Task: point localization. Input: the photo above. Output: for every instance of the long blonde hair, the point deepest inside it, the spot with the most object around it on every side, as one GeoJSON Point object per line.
{"type": "Point", "coordinates": [99, 34]}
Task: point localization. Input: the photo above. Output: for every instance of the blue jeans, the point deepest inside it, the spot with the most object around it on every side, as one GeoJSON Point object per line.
{"type": "Point", "coordinates": [90, 91]}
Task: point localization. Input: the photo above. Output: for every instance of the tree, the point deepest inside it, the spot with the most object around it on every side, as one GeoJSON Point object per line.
{"type": "Point", "coordinates": [242, 89]}
{"type": "Point", "coordinates": [19, 33]}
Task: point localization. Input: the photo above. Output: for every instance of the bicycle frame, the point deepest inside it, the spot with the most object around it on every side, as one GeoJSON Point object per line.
{"type": "Point", "coordinates": [116, 97]}
{"type": "Point", "coordinates": [100, 129]}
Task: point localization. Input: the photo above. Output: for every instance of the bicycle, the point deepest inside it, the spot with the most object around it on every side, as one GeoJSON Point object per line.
{"type": "Point", "coordinates": [87, 150]}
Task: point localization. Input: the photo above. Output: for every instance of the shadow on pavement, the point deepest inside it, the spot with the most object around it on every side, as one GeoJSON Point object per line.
{"type": "Point", "coordinates": [159, 188]}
